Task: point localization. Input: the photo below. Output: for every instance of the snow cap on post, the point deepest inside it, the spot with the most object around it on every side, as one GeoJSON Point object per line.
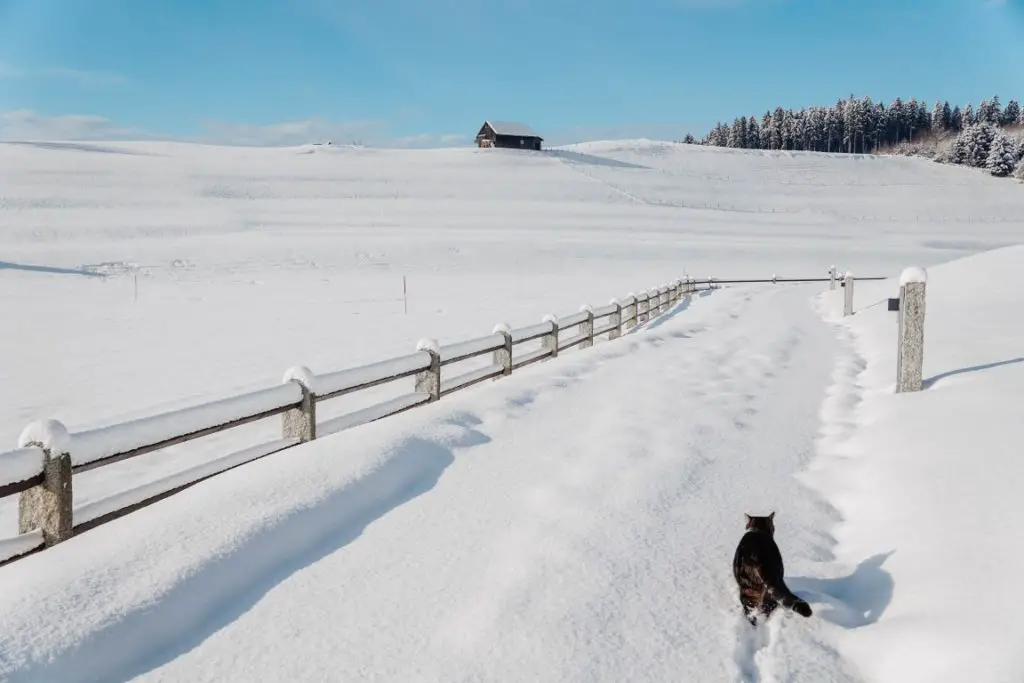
{"type": "Point", "coordinates": [586, 308]}
{"type": "Point", "coordinates": [427, 344]}
{"type": "Point", "coordinates": [501, 328]}
{"type": "Point", "coordinates": [300, 374]}
{"type": "Point", "coordinates": [912, 275]}
{"type": "Point", "coordinates": [50, 435]}
{"type": "Point", "coordinates": [550, 318]}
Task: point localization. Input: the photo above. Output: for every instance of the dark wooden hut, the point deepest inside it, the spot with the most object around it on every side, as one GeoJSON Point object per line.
{"type": "Point", "coordinates": [507, 134]}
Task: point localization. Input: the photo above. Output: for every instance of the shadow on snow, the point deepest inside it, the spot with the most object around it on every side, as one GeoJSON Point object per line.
{"type": "Point", "coordinates": [53, 270]}
{"type": "Point", "coordinates": [850, 601]}
{"type": "Point", "coordinates": [201, 605]}
{"type": "Point", "coordinates": [927, 384]}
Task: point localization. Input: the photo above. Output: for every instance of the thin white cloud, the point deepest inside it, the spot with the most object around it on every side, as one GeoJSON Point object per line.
{"type": "Point", "coordinates": [25, 124]}
{"type": "Point", "coordinates": [84, 78]}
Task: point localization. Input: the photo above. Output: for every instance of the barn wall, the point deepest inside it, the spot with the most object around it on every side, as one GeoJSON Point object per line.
{"type": "Point", "coordinates": [516, 142]}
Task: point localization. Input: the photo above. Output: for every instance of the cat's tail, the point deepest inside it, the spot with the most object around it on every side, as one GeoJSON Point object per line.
{"type": "Point", "coordinates": [787, 599]}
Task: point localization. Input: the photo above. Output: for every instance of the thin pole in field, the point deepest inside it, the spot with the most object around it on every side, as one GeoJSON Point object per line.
{"type": "Point", "coordinates": [405, 296]}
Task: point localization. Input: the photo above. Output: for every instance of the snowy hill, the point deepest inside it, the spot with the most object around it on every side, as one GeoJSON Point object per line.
{"type": "Point", "coordinates": [572, 522]}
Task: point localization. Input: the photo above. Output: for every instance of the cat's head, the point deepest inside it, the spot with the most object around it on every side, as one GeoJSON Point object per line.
{"type": "Point", "coordinates": [761, 523]}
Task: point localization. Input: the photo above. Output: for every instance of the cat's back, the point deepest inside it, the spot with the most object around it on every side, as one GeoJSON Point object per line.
{"type": "Point", "coordinates": [755, 547]}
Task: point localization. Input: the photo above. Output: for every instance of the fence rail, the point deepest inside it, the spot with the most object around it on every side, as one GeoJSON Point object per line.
{"type": "Point", "coordinates": [41, 470]}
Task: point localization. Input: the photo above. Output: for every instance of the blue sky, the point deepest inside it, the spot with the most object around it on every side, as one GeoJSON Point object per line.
{"type": "Point", "coordinates": [427, 72]}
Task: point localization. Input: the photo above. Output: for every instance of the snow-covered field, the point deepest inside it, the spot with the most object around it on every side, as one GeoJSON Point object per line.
{"type": "Point", "coordinates": [573, 522]}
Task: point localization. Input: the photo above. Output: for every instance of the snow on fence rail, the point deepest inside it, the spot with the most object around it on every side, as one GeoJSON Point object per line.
{"type": "Point", "coordinates": [41, 469]}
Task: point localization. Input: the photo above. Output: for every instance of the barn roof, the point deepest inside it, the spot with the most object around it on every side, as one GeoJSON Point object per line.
{"type": "Point", "coordinates": [512, 128]}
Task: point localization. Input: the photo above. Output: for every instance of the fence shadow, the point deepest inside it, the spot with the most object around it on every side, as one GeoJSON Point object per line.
{"type": "Point", "coordinates": [53, 270]}
{"type": "Point", "coordinates": [668, 315]}
{"type": "Point", "coordinates": [217, 595]}
{"type": "Point", "coordinates": [850, 601]}
{"type": "Point", "coordinates": [926, 384]}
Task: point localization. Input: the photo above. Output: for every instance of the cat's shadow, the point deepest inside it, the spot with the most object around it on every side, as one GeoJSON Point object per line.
{"type": "Point", "coordinates": [849, 601]}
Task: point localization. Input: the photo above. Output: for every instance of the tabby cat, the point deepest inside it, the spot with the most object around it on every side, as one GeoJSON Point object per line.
{"type": "Point", "coordinates": [757, 567]}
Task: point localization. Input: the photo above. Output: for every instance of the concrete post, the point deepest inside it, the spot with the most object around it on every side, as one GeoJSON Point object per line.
{"type": "Point", "coordinates": [429, 381]}
{"type": "Point", "coordinates": [550, 341]}
{"type": "Point", "coordinates": [48, 507]}
{"type": "Point", "coordinates": [630, 312]}
{"type": "Point", "coordinates": [848, 294]}
{"type": "Point", "coordinates": [832, 278]}
{"type": "Point", "coordinates": [587, 327]}
{"type": "Point", "coordinates": [300, 423]}
{"type": "Point", "coordinates": [910, 358]}
{"type": "Point", "coordinates": [503, 356]}
{"type": "Point", "coordinates": [615, 320]}
{"type": "Point", "coordinates": [643, 306]}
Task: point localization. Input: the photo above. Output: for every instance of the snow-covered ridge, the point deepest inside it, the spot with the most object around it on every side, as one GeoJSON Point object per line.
{"type": "Point", "coordinates": [21, 469]}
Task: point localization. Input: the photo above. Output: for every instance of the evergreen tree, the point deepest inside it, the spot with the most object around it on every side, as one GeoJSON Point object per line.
{"type": "Point", "coordinates": [753, 133]}
{"type": "Point", "coordinates": [1019, 171]}
{"type": "Point", "coordinates": [958, 152]}
{"type": "Point", "coordinates": [689, 139]}
{"type": "Point", "coordinates": [937, 125]}
{"type": "Point", "coordinates": [1011, 114]}
{"type": "Point", "coordinates": [979, 138]}
{"type": "Point", "coordinates": [947, 118]}
{"type": "Point", "coordinates": [967, 116]}
{"type": "Point", "coordinates": [766, 131]}
{"type": "Point", "coordinates": [956, 120]}
{"type": "Point", "coordinates": [1002, 156]}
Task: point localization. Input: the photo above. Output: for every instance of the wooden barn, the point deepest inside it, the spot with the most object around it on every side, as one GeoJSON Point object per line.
{"type": "Point", "coordinates": [507, 134]}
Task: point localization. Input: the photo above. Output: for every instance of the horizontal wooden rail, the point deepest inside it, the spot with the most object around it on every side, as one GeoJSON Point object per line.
{"type": "Point", "coordinates": [42, 467]}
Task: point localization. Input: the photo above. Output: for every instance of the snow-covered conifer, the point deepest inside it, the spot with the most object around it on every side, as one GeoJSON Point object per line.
{"type": "Point", "coordinates": [1011, 114]}
{"type": "Point", "coordinates": [1019, 172]}
{"type": "Point", "coordinates": [1002, 156]}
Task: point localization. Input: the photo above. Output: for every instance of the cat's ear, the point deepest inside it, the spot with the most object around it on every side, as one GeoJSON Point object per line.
{"type": "Point", "coordinates": [748, 518]}
{"type": "Point", "coordinates": [771, 517]}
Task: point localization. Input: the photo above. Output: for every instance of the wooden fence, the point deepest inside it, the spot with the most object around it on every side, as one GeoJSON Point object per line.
{"type": "Point", "coordinates": [42, 469]}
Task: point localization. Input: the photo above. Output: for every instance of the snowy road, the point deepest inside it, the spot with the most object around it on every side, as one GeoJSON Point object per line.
{"type": "Point", "coordinates": [571, 523]}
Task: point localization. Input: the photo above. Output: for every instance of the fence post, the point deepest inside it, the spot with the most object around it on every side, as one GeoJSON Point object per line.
{"type": "Point", "coordinates": [429, 381]}
{"type": "Point", "coordinates": [587, 327]}
{"type": "Point", "coordinates": [300, 423]}
{"type": "Point", "coordinates": [48, 507]}
{"type": "Point", "coordinates": [662, 299]}
{"type": "Point", "coordinates": [910, 355]}
{"type": "Point", "coordinates": [503, 356]}
{"type": "Point", "coordinates": [630, 319]}
{"type": "Point", "coordinates": [831, 278]}
{"type": "Point", "coordinates": [848, 294]}
{"type": "Point", "coordinates": [615, 320]}
{"type": "Point", "coordinates": [550, 341]}
{"type": "Point", "coordinates": [643, 307]}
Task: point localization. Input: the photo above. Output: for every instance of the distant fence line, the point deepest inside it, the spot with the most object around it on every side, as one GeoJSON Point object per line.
{"type": "Point", "coordinates": [41, 469]}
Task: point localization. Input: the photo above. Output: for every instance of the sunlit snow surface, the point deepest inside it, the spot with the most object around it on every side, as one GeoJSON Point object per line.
{"type": "Point", "coordinates": [574, 522]}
